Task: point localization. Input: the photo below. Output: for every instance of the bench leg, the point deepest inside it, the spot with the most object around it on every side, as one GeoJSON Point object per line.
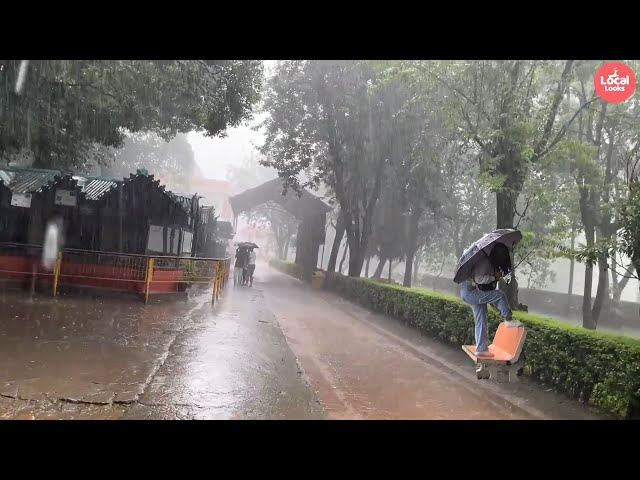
{"type": "Point", "coordinates": [509, 374]}
{"type": "Point", "coordinates": [482, 372]}
{"type": "Point", "coordinates": [501, 374]}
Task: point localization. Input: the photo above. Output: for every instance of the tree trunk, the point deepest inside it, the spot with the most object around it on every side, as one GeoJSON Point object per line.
{"type": "Point", "coordinates": [390, 263]}
{"type": "Point", "coordinates": [619, 285]}
{"type": "Point", "coordinates": [344, 255]}
{"type": "Point", "coordinates": [636, 264]}
{"type": "Point", "coordinates": [587, 318]}
{"type": "Point", "coordinates": [335, 248]}
{"type": "Point", "coordinates": [366, 270]}
{"type": "Point", "coordinates": [505, 207]}
{"type": "Point", "coordinates": [602, 293]}
{"type": "Point", "coordinates": [412, 240]}
{"type": "Point", "coordinates": [378, 273]}
{"type": "Point", "coordinates": [601, 304]}
{"type": "Point", "coordinates": [357, 250]}
{"type": "Point", "coordinates": [416, 268]}
{"type": "Point", "coordinates": [571, 270]}
{"type": "Point", "coordinates": [408, 269]}
{"type": "Point", "coordinates": [285, 254]}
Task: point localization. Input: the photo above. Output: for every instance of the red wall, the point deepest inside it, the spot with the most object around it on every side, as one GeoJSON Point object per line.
{"type": "Point", "coordinates": [86, 274]}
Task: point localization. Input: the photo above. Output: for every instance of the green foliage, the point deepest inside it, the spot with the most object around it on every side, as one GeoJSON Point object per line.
{"type": "Point", "coordinates": [353, 126]}
{"type": "Point", "coordinates": [599, 369]}
{"type": "Point", "coordinates": [627, 242]}
{"type": "Point", "coordinates": [574, 155]}
{"type": "Point", "coordinates": [630, 220]}
{"type": "Point", "coordinates": [189, 272]}
{"type": "Point", "coordinates": [172, 162]}
{"type": "Point", "coordinates": [493, 181]}
{"type": "Point", "coordinates": [68, 106]}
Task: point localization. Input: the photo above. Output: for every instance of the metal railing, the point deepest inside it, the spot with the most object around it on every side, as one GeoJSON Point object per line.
{"type": "Point", "coordinates": [143, 274]}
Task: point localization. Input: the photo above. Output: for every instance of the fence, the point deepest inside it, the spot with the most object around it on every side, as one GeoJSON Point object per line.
{"type": "Point", "coordinates": [141, 274]}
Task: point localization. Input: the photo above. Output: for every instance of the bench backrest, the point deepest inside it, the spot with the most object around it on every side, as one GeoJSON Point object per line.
{"type": "Point", "coordinates": [510, 339]}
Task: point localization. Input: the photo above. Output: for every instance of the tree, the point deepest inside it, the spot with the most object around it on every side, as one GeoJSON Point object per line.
{"type": "Point", "coordinates": [173, 161]}
{"type": "Point", "coordinates": [282, 224]}
{"type": "Point", "coordinates": [593, 153]}
{"type": "Point", "coordinates": [250, 173]}
{"type": "Point", "coordinates": [508, 112]}
{"type": "Point", "coordinates": [324, 122]}
{"type": "Point", "coordinates": [548, 215]}
{"type": "Point", "coordinates": [337, 222]}
{"type": "Point", "coordinates": [629, 239]}
{"type": "Point", "coordinates": [467, 209]}
{"type": "Point", "coordinates": [66, 107]}
{"type": "Point", "coordinates": [389, 226]}
{"type": "Point", "coordinates": [625, 241]}
{"type": "Point", "coordinates": [420, 143]}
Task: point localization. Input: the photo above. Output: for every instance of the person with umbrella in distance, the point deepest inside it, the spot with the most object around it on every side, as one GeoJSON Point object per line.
{"type": "Point", "coordinates": [242, 258]}
{"type": "Point", "coordinates": [251, 266]}
{"type": "Point", "coordinates": [478, 271]}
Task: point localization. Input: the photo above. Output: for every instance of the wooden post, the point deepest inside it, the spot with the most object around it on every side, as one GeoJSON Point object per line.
{"type": "Point", "coordinates": [120, 245]}
{"type": "Point", "coordinates": [217, 280]}
{"type": "Point", "coordinates": [214, 292]}
{"type": "Point", "coordinates": [56, 273]}
{"type": "Point", "coordinates": [147, 280]}
{"type": "Point", "coordinates": [225, 274]}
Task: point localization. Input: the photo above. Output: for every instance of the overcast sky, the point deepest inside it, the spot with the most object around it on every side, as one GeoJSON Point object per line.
{"type": "Point", "coordinates": [214, 155]}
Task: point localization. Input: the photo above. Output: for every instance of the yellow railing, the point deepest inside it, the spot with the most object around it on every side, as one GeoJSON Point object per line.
{"type": "Point", "coordinates": [194, 271]}
{"type": "Point", "coordinates": [141, 274]}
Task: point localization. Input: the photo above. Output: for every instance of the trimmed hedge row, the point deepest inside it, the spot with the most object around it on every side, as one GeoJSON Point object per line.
{"type": "Point", "coordinates": [600, 369]}
{"type": "Point", "coordinates": [289, 268]}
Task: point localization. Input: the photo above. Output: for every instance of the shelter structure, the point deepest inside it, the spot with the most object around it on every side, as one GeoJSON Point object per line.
{"type": "Point", "coordinates": [134, 215]}
{"type": "Point", "coordinates": [309, 210]}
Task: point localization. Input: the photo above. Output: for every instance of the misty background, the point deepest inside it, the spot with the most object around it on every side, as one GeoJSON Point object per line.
{"type": "Point", "coordinates": [217, 167]}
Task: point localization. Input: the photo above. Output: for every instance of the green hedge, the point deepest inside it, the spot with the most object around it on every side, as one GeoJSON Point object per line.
{"type": "Point", "coordinates": [289, 268]}
{"type": "Point", "coordinates": [600, 369]}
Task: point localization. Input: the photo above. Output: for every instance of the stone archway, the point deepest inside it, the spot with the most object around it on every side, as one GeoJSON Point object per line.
{"type": "Point", "coordinates": [308, 209]}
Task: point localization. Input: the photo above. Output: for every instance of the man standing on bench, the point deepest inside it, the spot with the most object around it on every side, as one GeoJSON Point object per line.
{"type": "Point", "coordinates": [481, 290]}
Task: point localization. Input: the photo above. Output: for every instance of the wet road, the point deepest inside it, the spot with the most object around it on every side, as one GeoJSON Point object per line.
{"type": "Point", "coordinates": [278, 350]}
{"type": "Point", "coordinates": [76, 357]}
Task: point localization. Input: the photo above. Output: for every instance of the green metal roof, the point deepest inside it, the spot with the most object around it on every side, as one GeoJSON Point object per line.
{"type": "Point", "coordinates": [26, 180]}
{"type": "Point", "coordinates": [32, 180]}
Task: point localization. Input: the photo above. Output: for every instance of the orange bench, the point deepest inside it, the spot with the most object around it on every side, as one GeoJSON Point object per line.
{"type": "Point", "coordinates": [506, 348]}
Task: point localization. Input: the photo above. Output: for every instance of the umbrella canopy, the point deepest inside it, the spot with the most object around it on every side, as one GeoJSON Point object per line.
{"type": "Point", "coordinates": [507, 236]}
{"type": "Point", "coordinates": [247, 245]}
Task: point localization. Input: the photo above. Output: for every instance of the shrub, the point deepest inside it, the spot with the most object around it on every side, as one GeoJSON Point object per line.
{"type": "Point", "coordinates": [289, 268]}
{"type": "Point", "coordinates": [600, 369]}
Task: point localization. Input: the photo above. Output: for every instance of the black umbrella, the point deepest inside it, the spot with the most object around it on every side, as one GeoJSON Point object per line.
{"type": "Point", "coordinates": [247, 245]}
{"type": "Point", "coordinates": [482, 248]}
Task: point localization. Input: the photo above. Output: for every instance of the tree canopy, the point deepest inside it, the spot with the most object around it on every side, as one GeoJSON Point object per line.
{"type": "Point", "coordinates": [65, 108]}
{"type": "Point", "coordinates": [423, 157]}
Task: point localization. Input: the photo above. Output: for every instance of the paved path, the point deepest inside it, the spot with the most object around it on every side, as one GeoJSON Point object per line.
{"type": "Point", "coordinates": [367, 366]}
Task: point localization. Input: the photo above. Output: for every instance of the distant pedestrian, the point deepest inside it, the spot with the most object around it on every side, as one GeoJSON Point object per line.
{"type": "Point", "coordinates": [241, 262]}
{"type": "Point", "coordinates": [251, 266]}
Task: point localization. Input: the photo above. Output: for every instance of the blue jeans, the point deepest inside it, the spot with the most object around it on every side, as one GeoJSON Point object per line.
{"type": "Point", "coordinates": [479, 301]}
